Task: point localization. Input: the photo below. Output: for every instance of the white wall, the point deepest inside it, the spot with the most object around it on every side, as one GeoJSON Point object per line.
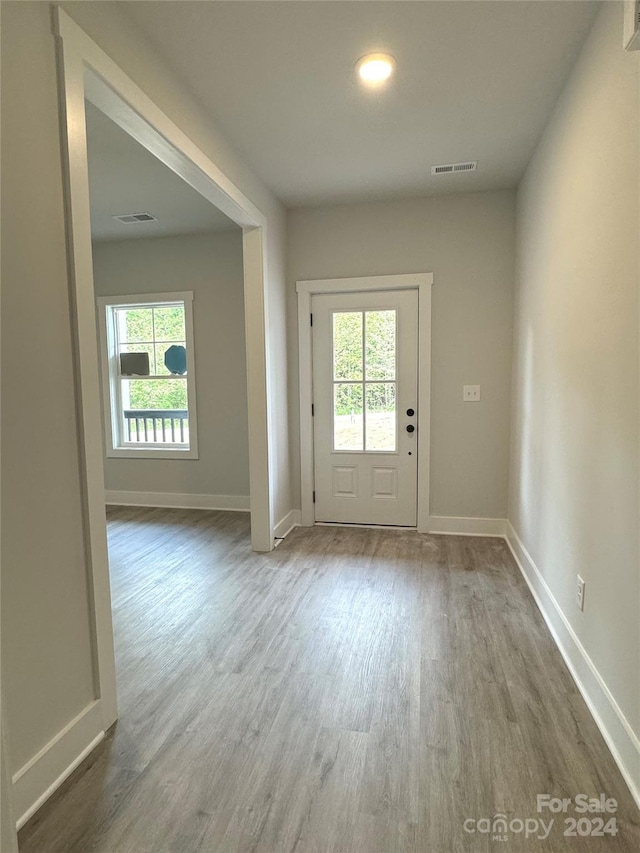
{"type": "Point", "coordinates": [46, 645]}
{"type": "Point", "coordinates": [574, 453]}
{"type": "Point", "coordinates": [211, 266]}
{"type": "Point", "coordinates": [8, 838]}
{"type": "Point", "coordinates": [467, 241]}
{"type": "Point", "coordinates": [46, 639]}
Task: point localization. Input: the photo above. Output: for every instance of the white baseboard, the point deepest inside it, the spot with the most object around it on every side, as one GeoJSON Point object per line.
{"type": "Point", "coordinates": [459, 526]}
{"type": "Point", "coordinates": [236, 503]}
{"type": "Point", "coordinates": [286, 525]}
{"type": "Point", "coordinates": [36, 781]}
{"type": "Point", "coordinates": [622, 741]}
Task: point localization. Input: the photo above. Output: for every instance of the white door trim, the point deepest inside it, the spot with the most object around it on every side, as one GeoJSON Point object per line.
{"type": "Point", "coordinates": [421, 282]}
{"type": "Point", "coordinates": [87, 71]}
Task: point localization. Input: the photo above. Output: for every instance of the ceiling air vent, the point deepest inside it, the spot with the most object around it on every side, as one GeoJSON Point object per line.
{"type": "Point", "coordinates": [132, 218]}
{"type": "Point", "coordinates": [469, 166]}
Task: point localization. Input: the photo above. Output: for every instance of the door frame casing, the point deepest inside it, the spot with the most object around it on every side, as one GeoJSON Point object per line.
{"type": "Point", "coordinates": [422, 282]}
{"type": "Point", "coordinates": [86, 71]}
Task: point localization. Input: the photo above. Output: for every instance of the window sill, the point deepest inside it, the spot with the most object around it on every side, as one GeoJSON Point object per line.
{"type": "Point", "coordinates": [151, 453]}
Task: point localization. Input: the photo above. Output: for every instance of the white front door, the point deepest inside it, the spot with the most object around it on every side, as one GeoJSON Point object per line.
{"type": "Point", "coordinates": [365, 401]}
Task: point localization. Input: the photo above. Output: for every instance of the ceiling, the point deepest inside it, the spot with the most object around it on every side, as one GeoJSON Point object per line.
{"type": "Point", "coordinates": [125, 178]}
{"type": "Point", "coordinates": [475, 81]}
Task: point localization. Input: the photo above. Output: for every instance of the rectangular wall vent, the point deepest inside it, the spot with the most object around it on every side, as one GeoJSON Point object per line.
{"type": "Point", "coordinates": [131, 218]}
{"type": "Point", "coordinates": [469, 166]}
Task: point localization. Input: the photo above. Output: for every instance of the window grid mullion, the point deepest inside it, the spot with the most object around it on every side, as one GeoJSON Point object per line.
{"type": "Point", "coordinates": [153, 332]}
{"type": "Point", "coordinates": [365, 381]}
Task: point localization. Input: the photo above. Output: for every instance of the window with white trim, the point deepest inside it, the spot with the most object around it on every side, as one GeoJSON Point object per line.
{"type": "Point", "coordinates": [149, 375]}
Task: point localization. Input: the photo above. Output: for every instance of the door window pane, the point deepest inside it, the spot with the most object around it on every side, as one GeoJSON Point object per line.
{"type": "Point", "coordinates": [381, 415]}
{"type": "Point", "coordinates": [347, 416]}
{"type": "Point", "coordinates": [358, 357]}
{"type": "Point", "coordinates": [380, 344]}
{"type": "Point", "coordinates": [347, 345]}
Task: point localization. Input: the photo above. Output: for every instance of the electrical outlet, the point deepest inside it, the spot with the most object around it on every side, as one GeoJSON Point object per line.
{"type": "Point", "coordinates": [471, 393]}
{"type": "Point", "coordinates": [580, 593]}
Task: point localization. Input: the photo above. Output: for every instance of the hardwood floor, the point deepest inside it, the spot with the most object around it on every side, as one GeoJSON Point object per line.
{"type": "Point", "coordinates": [363, 691]}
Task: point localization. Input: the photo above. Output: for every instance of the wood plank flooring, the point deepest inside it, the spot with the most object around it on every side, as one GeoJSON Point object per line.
{"type": "Point", "coordinates": [360, 691]}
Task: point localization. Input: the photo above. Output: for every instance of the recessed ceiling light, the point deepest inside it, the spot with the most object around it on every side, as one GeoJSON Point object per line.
{"type": "Point", "coordinates": [375, 68]}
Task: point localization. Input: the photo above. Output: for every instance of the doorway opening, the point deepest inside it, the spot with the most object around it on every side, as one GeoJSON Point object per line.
{"type": "Point", "coordinates": [170, 314]}
{"type": "Point", "coordinates": [89, 75]}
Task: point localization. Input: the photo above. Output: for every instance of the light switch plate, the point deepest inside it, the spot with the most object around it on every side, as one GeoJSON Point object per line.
{"type": "Point", "coordinates": [471, 393]}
